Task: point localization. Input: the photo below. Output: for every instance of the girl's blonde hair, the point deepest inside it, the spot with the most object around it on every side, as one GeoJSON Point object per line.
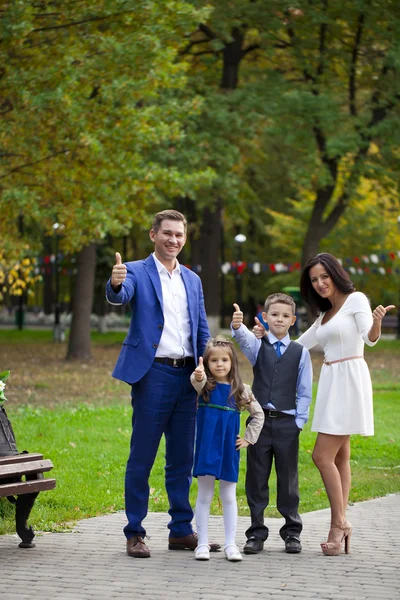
{"type": "Point", "coordinates": [238, 397]}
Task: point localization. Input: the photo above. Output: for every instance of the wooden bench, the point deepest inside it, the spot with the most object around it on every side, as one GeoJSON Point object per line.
{"type": "Point", "coordinates": [21, 475]}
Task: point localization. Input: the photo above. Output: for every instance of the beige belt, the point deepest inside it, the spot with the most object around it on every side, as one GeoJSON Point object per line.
{"type": "Point", "coordinates": [332, 362]}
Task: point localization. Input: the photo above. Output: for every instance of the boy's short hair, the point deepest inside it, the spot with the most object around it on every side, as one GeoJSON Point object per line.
{"type": "Point", "coordinates": [282, 299]}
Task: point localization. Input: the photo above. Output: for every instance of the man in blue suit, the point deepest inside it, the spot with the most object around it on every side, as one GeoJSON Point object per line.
{"type": "Point", "coordinates": [167, 334]}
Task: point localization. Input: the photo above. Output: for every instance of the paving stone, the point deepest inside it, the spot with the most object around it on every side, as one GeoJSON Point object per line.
{"type": "Point", "coordinates": [90, 563]}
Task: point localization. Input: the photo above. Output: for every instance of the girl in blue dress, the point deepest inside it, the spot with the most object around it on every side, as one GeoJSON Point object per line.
{"type": "Point", "coordinates": [222, 396]}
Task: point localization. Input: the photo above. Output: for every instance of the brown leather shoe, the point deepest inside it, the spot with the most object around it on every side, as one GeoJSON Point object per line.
{"type": "Point", "coordinates": [136, 547]}
{"type": "Point", "coordinates": [189, 542]}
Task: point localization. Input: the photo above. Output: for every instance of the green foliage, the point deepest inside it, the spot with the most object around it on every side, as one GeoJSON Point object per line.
{"type": "Point", "coordinates": [314, 114]}
{"type": "Point", "coordinates": [111, 110]}
{"type": "Point", "coordinates": [88, 122]}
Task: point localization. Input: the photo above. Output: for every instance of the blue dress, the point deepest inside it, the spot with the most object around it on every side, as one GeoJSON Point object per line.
{"type": "Point", "coordinates": [216, 431]}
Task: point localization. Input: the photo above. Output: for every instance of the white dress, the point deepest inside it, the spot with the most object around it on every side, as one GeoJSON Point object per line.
{"type": "Point", "coordinates": [344, 397]}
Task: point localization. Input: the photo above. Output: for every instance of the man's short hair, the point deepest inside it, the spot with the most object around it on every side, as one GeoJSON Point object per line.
{"type": "Point", "coordinates": [282, 299]}
{"type": "Point", "coordinates": [170, 215]}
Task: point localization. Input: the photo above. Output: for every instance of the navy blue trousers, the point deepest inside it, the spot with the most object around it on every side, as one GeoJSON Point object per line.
{"type": "Point", "coordinates": [163, 402]}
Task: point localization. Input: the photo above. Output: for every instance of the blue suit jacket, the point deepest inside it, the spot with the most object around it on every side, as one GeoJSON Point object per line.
{"type": "Point", "coordinates": [142, 289]}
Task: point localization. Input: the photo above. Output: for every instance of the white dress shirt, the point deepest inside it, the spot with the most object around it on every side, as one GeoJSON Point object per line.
{"type": "Point", "coordinates": [176, 340]}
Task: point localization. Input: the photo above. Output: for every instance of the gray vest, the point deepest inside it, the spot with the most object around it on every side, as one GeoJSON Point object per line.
{"type": "Point", "coordinates": [275, 378]}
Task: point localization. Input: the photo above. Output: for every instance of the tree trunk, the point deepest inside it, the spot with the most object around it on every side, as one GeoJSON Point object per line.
{"type": "Point", "coordinates": [209, 244]}
{"type": "Point", "coordinates": [206, 252]}
{"type": "Point", "coordinates": [48, 294]}
{"type": "Point", "coordinates": [310, 245]}
{"type": "Point", "coordinates": [233, 54]}
{"type": "Point", "coordinates": [82, 302]}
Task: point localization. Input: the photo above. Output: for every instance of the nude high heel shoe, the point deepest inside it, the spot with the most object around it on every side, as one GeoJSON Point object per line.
{"type": "Point", "coordinates": [336, 537]}
{"type": "Point", "coordinates": [348, 530]}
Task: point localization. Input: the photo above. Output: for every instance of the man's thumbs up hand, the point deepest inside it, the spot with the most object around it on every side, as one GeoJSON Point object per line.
{"type": "Point", "coordinates": [118, 274]}
{"type": "Point", "coordinates": [199, 372]}
{"type": "Point", "coordinates": [237, 318]}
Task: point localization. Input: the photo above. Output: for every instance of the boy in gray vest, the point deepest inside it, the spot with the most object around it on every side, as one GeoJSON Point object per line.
{"type": "Point", "coordinates": [283, 386]}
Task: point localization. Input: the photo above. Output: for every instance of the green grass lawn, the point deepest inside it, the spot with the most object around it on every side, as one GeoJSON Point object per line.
{"type": "Point", "coordinates": [88, 443]}
{"type": "Point", "coordinates": [88, 446]}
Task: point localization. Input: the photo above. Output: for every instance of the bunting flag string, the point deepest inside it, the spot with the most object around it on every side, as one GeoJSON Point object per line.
{"type": "Point", "coordinates": [357, 265]}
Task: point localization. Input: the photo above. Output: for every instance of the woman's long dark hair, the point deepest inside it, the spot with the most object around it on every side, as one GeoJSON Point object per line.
{"type": "Point", "coordinates": [336, 272]}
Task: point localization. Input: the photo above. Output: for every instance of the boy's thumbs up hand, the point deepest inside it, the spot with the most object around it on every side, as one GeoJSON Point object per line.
{"type": "Point", "coordinates": [237, 318]}
{"type": "Point", "coordinates": [118, 274]}
{"type": "Point", "coordinates": [199, 371]}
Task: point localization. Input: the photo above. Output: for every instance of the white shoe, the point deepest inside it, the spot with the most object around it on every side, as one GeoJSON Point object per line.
{"type": "Point", "coordinates": [202, 552]}
{"type": "Point", "coordinates": [232, 553]}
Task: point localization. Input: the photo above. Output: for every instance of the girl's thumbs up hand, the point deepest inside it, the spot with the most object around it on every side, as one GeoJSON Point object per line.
{"type": "Point", "coordinates": [199, 372]}
{"type": "Point", "coordinates": [237, 318]}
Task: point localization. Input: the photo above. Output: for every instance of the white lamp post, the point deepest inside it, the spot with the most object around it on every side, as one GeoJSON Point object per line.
{"type": "Point", "coordinates": [58, 333]}
{"type": "Point", "coordinates": [240, 238]}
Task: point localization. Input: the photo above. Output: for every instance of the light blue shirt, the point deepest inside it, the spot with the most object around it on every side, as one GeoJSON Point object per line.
{"type": "Point", "coordinates": [250, 346]}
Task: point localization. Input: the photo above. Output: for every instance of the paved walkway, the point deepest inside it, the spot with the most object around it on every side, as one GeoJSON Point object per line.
{"type": "Point", "coordinates": [91, 563]}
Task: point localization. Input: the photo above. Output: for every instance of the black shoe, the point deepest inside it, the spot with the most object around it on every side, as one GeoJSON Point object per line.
{"type": "Point", "coordinates": [292, 545]}
{"type": "Point", "coordinates": [253, 546]}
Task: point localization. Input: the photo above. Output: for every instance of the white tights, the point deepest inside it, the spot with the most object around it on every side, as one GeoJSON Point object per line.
{"type": "Point", "coordinates": [227, 490]}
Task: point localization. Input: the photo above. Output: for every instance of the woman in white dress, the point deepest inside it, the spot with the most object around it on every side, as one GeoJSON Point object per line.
{"type": "Point", "coordinates": [344, 398]}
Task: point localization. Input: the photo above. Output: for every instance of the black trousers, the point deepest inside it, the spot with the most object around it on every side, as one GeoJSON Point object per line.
{"type": "Point", "coordinates": [279, 441]}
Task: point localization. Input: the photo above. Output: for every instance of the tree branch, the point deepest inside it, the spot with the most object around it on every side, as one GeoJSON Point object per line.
{"type": "Point", "coordinates": [75, 23]}
{"type": "Point", "coordinates": [322, 39]}
{"type": "Point", "coordinates": [190, 45]}
{"type": "Point", "coordinates": [251, 48]}
{"type": "Point", "coordinates": [307, 75]}
{"type": "Point", "coordinates": [32, 164]}
{"type": "Point", "coordinates": [207, 52]}
{"type": "Point", "coordinates": [336, 213]}
{"type": "Point", "coordinates": [208, 32]}
{"type": "Point", "coordinates": [330, 163]}
{"type": "Point", "coordinates": [353, 67]}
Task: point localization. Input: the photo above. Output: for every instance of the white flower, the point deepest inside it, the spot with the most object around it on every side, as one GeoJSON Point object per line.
{"type": "Point", "coordinates": [2, 386]}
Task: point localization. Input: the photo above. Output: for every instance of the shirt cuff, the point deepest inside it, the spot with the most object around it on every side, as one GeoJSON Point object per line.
{"type": "Point", "coordinates": [300, 422]}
